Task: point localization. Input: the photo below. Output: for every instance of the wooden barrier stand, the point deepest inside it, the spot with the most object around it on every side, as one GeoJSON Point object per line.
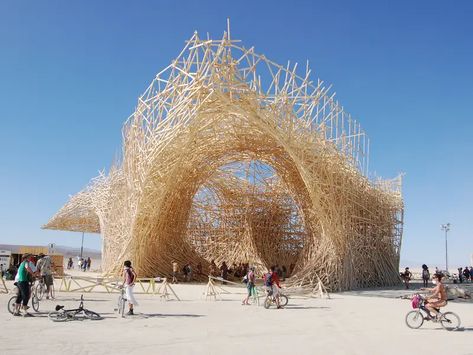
{"type": "Point", "coordinates": [110, 284]}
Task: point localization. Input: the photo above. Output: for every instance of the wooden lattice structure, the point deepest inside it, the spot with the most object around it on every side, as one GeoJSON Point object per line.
{"type": "Point", "coordinates": [232, 157]}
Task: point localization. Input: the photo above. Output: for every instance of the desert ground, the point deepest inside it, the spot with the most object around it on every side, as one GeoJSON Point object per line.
{"type": "Point", "coordinates": [356, 322]}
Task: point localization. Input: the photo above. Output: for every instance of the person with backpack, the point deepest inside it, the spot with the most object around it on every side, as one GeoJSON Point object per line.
{"type": "Point", "coordinates": [129, 278]}
{"type": "Point", "coordinates": [249, 279]}
{"type": "Point", "coordinates": [425, 275]}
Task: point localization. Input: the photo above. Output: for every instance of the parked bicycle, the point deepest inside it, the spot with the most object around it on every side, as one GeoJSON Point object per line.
{"type": "Point", "coordinates": [122, 300]}
{"type": "Point", "coordinates": [41, 290]}
{"type": "Point", "coordinates": [415, 319]}
{"type": "Point", "coordinates": [271, 299]}
{"type": "Point", "coordinates": [34, 300]}
{"type": "Point", "coordinates": [62, 315]}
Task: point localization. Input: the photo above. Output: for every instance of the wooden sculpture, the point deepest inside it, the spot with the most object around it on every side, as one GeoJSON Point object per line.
{"type": "Point", "coordinates": [232, 157]}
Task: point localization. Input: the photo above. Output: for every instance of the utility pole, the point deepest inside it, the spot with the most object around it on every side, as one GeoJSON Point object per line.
{"type": "Point", "coordinates": [82, 245]}
{"type": "Point", "coordinates": [446, 228]}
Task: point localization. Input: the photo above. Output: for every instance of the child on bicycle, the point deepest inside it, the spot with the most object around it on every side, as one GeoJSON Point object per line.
{"type": "Point", "coordinates": [438, 297]}
{"type": "Point", "coordinates": [129, 278]}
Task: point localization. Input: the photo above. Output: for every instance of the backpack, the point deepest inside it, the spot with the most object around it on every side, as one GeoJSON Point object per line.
{"type": "Point", "coordinates": [268, 280]}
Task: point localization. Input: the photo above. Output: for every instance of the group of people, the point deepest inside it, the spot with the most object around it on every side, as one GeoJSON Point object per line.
{"type": "Point", "coordinates": [83, 263]}
{"type": "Point", "coordinates": [29, 269]}
{"type": "Point", "coordinates": [271, 281]}
{"type": "Point", "coordinates": [465, 274]}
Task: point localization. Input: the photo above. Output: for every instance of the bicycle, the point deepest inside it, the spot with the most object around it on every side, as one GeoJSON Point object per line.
{"type": "Point", "coordinates": [122, 300]}
{"type": "Point", "coordinates": [62, 315]}
{"type": "Point", "coordinates": [34, 300]}
{"type": "Point", "coordinates": [415, 319]}
{"type": "Point", "coordinates": [271, 299]}
{"type": "Point", "coordinates": [41, 289]}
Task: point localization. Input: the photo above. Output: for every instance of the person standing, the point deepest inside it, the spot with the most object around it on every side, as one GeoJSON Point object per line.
{"type": "Point", "coordinates": [44, 265]}
{"type": "Point", "coordinates": [129, 278]}
{"type": "Point", "coordinates": [224, 272]}
{"type": "Point", "coordinates": [466, 274]}
{"type": "Point", "coordinates": [189, 272]}
{"type": "Point", "coordinates": [70, 264]}
{"type": "Point", "coordinates": [406, 276]}
{"type": "Point", "coordinates": [25, 274]}
{"type": "Point", "coordinates": [425, 275]}
{"type": "Point", "coordinates": [175, 270]}
{"type": "Point", "coordinates": [460, 275]}
{"type": "Point", "coordinates": [88, 263]}
{"type": "Point", "coordinates": [250, 285]}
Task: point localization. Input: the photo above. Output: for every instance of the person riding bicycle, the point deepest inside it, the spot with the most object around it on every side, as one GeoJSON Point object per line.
{"type": "Point", "coordinates": [44, 266]}
{"type": "Point", "coordinates": [438, 297]}
{"type": "Point", "coordinates": [272, 283]}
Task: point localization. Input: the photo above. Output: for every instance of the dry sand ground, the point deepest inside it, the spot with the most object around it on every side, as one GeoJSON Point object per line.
{"type": "Point", "coordinates": [368, 322]}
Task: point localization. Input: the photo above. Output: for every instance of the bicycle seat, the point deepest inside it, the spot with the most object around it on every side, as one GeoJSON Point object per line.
{"type": "Point", "coordinates": [58, 307]}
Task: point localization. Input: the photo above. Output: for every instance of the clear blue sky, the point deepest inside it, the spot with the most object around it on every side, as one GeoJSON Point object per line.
{"type": "Point", "coordinates": [70, 74]}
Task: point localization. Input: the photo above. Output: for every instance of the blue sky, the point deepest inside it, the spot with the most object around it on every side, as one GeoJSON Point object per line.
{"type": "Point", "coordinates": [70, 74]}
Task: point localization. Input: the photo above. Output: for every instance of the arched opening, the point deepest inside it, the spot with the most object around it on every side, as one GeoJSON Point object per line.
{"type": "Point", "coordinates": [246, 214]}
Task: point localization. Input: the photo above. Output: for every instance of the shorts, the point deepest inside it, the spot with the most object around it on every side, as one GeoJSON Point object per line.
{"type": "Point", "coordinates": [251, 288]}
{"type": "Point", "coordinates": [130, 296]}
{"type": "Point", "coordinates": [275, 290]}
{"type": "Point", "coordinates": [48, 280]}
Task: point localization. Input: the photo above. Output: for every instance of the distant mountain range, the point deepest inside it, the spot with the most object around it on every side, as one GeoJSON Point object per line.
{"type": "Point", "coordinates": [59, 249]}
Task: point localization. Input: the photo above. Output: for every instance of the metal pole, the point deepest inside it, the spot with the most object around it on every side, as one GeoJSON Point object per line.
{"type": "Point", "coordinates": [446, 250]}
{"type": "Point", "coordinates": [82, 245]}
{"type": "Point", "coordinates": [446, 228]}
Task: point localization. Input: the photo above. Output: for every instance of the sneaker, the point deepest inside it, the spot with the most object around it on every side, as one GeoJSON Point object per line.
{"type": "Point", "coordinates": [28, 315]}
{"type": "Point", "coordinates": [130, 313]}
{"type": "Point", "coordinates": [16, 314]}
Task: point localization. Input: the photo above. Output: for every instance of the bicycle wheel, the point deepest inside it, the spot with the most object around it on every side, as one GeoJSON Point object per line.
{"type": "Point", "coordinates": [92, 315]}
{"type": "Point", "coordinates": [39, 290]}
{"type": "Point", "coordinates": [450, 321]}
{"type": "Point", "coordinates": [35, 303]}
{"type": "Point", "coordinates": [283, 300]}
{"type": "Point", "coordinates": [267, 302]}
{"type": "Point", "coordinates": [11, 304]}
{"type": "Point", "coordinates": [414, 319]}
{"type": "Point", "coordinates": [58, 316]}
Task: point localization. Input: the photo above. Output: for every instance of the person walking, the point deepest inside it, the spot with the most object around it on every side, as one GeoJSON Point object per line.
{"type": "Point", "coordinates": [250, 285]}
{"type": "Point", "coordinates": [425, 275]}
{"type": "Point", "coordinates": [129, 278]}
{"type": "Point", "coordinates": [88, 263]}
